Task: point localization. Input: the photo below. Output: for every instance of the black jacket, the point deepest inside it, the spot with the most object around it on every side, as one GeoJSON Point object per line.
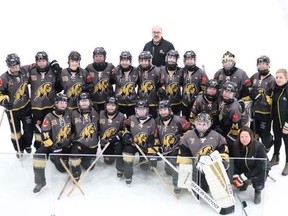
{"type": "Point", "coordinates": [280, 105]}
{"type": "Point", "coordinates": [159, 51]}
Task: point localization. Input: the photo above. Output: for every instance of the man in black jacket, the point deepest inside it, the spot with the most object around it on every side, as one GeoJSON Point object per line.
{"type": "Point", "coordinates": [158, 47]}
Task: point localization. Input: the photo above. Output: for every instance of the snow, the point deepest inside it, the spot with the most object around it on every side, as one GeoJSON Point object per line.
{"type": "Point", "coordinates": [246, 28]}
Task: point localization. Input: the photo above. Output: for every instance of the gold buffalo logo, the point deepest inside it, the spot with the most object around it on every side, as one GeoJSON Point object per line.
{"type": "Point", "coordinates": [189, 89]}
{"type": "Point", "coordinates": [126, 90]}
{"type": "Point", "coordinates": [261, 91]}
{"type": "Point", "coordinates": [21, 92]}
{"type": "Point", "coordinates": [109, 132]}
{"type": "Point", "coordinates": [74, 91]}
{"type": "Point", "coordinates": [43, 90]}
{"type": "Point", "coordinates": [64, 133]}
{"type": "Point", "coordinates": [169, 140]}
{"type": "Point", "coordinates": [172, 89]}
{"type": "Point", "coordinates": [101, 86]}
{"type": "Point", "coordinates": [147, 86]}
{"type": "Point", "coordinates": [206, 150]}
{"type": "Point", "coordinates": [140, 138]}
{"type": "Point", "coordinates": [87, 133]}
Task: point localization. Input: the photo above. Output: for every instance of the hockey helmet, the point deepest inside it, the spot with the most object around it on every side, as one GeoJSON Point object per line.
{"type": "Point", "coordinates": [202, 123]}
{"type": "Point", "coordinates": [263, 58]}
{"type": "Point", "coordinates": [125, 55]}
{"type": "Point", "coordinates": [41, 56]}
{"type": "Point", "coordinates": [12, 60]}
{"type": "Point", "coordinates": [74, 55]}
{"type": "Point", "coordinates": [100, 51]}
{"type": "Point", "coordinates": [145, 55]}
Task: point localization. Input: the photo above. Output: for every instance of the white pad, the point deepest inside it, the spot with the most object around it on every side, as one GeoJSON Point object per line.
{"type": "Point", "coordinates": [218, 181]}
{"type": "Point", "coordinates": [185, 176]}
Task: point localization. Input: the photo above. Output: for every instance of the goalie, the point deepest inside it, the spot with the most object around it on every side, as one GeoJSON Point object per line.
{"type": "Point", "coordinates": [210, 151]}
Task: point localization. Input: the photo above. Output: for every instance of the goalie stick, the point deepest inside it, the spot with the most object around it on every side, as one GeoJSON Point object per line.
{"type": "Point", "coordinates": [89, 168]}
{"type": "Point", "coordinates": [208, 199]}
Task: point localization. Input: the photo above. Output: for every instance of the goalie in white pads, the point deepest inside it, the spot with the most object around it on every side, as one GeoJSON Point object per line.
{"type": "Point", "coordinates": [211, 152]}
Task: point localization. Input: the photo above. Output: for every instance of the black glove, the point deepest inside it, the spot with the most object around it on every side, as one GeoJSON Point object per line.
{"type": "Point", "coordinates": [103, 142]}
{"type": "Point", "coordinates": [7, 104]}
{"type": "Point", "coordinates": [127, 139]}
{"type": "Point", "coordinates": [114, 139]}
{"type": "Point", "coordinates": [55, 148]}
{"type": "Point", "coordinates": [152, 163]}
{"type": "Point", "coordinates": [55, 67]}
{"type": "Point", "coordinates": [162, 93]}
{"type": "Point", "coordinates": [242, 104]}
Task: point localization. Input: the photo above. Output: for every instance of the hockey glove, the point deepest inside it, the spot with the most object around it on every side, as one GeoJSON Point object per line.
{"type": "Point", "coordinates": [152, 163]}
{"type": "Point", "coordinates": [56, 148]}
{"type": "Point", "coordinates": [242, 104]}
{"type": "Point", "coordinates": [238, 180]}
{"type": "Point", "coordinates": [127, 139]}
{"type": "Point", "coordinates": [7, 104]}
{"type": "Point", "coordinates": [55, 67]}
{"type": "Point", "coordinates": [114, 139]}
{"type": "Point", "coordinates": [285, 128]}
{"type": "Point", "coordinates": [162, 93]}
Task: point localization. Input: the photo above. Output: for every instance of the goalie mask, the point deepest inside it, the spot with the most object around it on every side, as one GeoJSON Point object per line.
{"type": "Point", "coordinates": [142, 109]}
{"type": "Point", "coordinates": [165, 112]}
{"type": "Point", "coordinates": [190, 60]}
{"type": "Point", "coordinates": [125, 61]}
{"type": "Point", "coordinates": [60, 103]}
{"type": "Point", "coordinates": [202, 124]}
{"type": "Point", "coordinates": [84, 103]}
{"type": "Point", "coordinates": [145, 60]}
{"type": "Point", "coordinates": [111, 106]}
{"type": "Point", "coordinates": [171, 60]}
{"type": "Point", "coordinates": [228, 62]}
{"type": "Point", "coordinates": [263, 65]}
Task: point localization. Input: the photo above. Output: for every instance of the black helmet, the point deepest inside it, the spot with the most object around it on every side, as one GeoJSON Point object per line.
{"type": "Point", "coordinates": [172, 66]}
{"type": "Point", "coordinates": [141, 104]}
{"type": "Point", "coordinates": [99, 51]}
{"type": "Point", "coordinates": [41, 55]}
{"type": "Point", "coordinates": [84, 95]}
{"type": "Point", "coordinates": [75, 56]}
{"type": "Point", "coordinates": [212, 83]}
{"type": "Point", "coordinates": [189, 54]}
{"type": "Point", "coordinates": [111, 100]}
{"type": "Point", "coordinates": [125, 55]}
{"type": "Point", "coordinates": [61, 97]}
{"type": "Point", "coordinates": [145, 55]}
{"type": "Point", "coordinates": [230, 86]}
{"type": "Point", "coordinates": [164, 104]}
{"type": "Point", "coordinates": [12, 60]}
{"type": "Point", "coordinates": [263, 58]}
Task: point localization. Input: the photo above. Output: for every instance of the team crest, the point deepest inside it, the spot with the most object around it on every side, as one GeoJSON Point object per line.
{"type": "Point", "coordinates": [74, 91]}
{"type": "Point", "coordinates": [64, 133]}
{"type": "Point", "coordinates": [147, 86]}
{"type": "Point", "coordinates": [140, 138]}
{"type": "Point", "coordinates": [172, 89]}
{"type": "Point", "coordinates": [109, 132]}
{"type": "Point", "coordinates": [127, 90]}
{"type": "Point", "coordinates": [88, 132]}
{"type": "Point", "coordinates": [43, 91]}
{"type": "Point", "coordinates": [101, 86]}
{"type": "Point", "coordinates": [21, 92]}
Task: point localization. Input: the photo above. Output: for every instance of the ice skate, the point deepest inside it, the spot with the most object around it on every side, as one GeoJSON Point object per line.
{"type": "Point", "coordinates": [38, 187]}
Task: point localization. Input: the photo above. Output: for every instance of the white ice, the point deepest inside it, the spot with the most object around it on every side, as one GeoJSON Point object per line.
{"type": "Point", "coordinates": [246, 28]}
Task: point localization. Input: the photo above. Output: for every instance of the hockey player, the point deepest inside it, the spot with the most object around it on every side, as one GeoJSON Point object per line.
{"type": "Point", "coordinates": [140, 130]}
{"type": "Point", "coordinates": [56, 139]}
{"type": "Point", "coordinates": [252, 167]}
{"type": "Point", "coordinates": [15, 97]}
{"type": "Point", "coordinates": [126, 81]}
{"type": "Point", "coordinates": [263, 83]}
{"type": "Point", "coordinates": [110, 124]}
{"type": "Point", "coordinates": [230, 72]}
{"type": "Point", "coordinates": [85, 128]}
{"type": "Point", "coordinates": [194, 80]}
{"type": "Point", "coordinates": [100, 75]}
{"type": "Point", "coordinates": [280, 117]}
{"type": "Point", "coordinates": [207, 102]}
{"type": "Point", "coordinates": [199, 143]}
{"type": "Point", "coordinates": [230, 114]}
{"type": "Point", "coordinates": [171, 79]}
{"type": "Point", "coordinates": [148, 82]}
{"type": "Point", "coordinates": [74, 79]}
{"type": "Point", "coordinates": [170, 127]}
{"type": "Point", "coordinates": [44, 80]}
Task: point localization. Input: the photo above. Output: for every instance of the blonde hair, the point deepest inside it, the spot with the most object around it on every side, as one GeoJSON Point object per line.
{"type": "Point", "coordinates": [283, 71]}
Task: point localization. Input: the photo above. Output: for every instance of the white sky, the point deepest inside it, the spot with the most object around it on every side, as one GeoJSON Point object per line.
{"type": "Point", "coordinates": [210, 28]}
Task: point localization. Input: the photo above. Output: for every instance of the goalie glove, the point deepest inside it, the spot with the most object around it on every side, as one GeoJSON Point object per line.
{"type": "Point", "coordinates": [238, 180]}
{"type": "Point", "coordinates": [204, 159]}
{"type": "Point", "coordinates": [55, 67]}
